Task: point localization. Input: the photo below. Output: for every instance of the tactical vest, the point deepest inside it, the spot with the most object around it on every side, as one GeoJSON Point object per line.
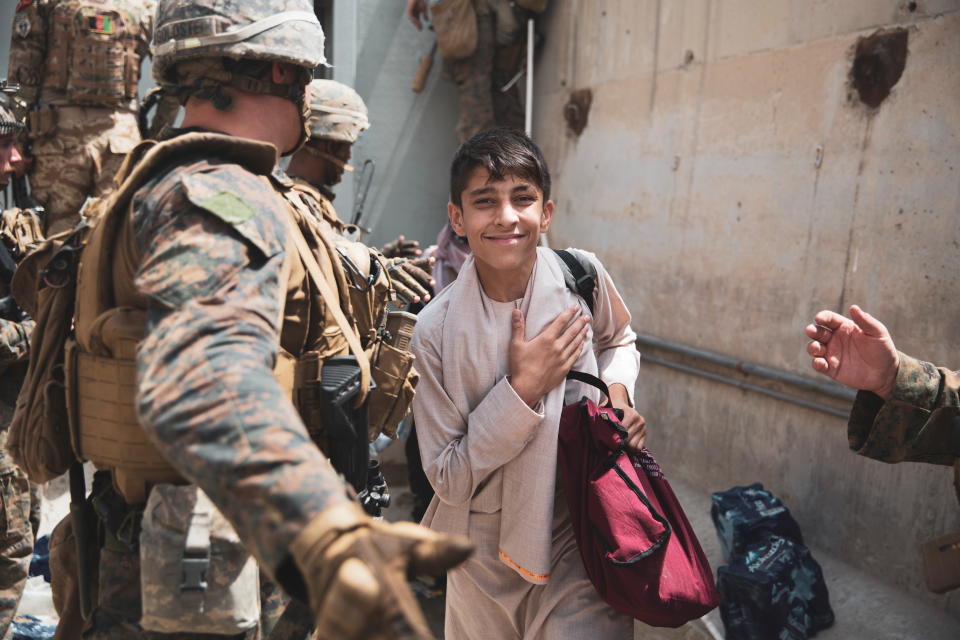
{"type": "Point", "coordinates": [367, 281]}
{"type": "Point", "coordinates": [369, 287]}
{"type": "Point", "coordinates": [92, 56]}
{"type": "Point", "coordinates": [110, 318]}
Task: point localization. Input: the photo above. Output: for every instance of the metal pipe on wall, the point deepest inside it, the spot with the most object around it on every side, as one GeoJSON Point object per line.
{"type": "Point", "coordinates": [746, 386]}
{"type": "Point", "coordinates": [831, 389]}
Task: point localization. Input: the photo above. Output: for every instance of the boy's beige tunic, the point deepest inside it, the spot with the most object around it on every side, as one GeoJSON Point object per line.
{"type": "Point", "coordinates": [492, 460]}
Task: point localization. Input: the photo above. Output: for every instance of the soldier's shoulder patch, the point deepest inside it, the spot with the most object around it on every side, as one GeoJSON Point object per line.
{"type": "Point", "coordinates": [240, 199]}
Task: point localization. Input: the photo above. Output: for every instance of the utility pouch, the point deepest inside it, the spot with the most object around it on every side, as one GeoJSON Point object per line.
{"type": "Point", "coordinates": [392, 371]}
{"type": "Point", "coordinates": [44, 287]}
{"type": "Point", "coordinates": [941, 562]}
{"type": "Point", "coordinates": [42, 122]}
{"type": "Point", "coordinates": [345, 424]}
{"type": "Point", "coordinates": [455, 22]}
{"type": "Point", "coordinates": [195, 575]}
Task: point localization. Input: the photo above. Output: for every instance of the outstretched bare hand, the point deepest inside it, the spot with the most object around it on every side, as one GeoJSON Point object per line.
{"type": "Point", "coordinates": [540, 364]}
{"type": "Point", "coordinates": [857, 352]}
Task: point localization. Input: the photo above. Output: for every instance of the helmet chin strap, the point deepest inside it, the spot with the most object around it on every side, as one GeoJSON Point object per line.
{"type": "Point", "coordinates": [304, 107]}
{"type": "Point", "coordinates": [329, 157]}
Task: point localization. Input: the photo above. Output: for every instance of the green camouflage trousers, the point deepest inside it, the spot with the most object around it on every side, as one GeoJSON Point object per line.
{"type": "Point", "coordinates": [79, 159]}
{"type": "Point", "coordinates": [480, 78]}
{"type": "Point", "coordinates": [16, 543]}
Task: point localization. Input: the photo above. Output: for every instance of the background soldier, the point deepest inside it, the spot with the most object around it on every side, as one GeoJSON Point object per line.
{"type": "Point", "coordinates": [481, 76]}
{"type": "Point", "coordinates": [16, 234]}
{"type": "Point", "coordinates": [338, 116]}
{"type": "Point", "coordinates": [212, 273]}
{"type": "Point", "coordinates": [78, 63]}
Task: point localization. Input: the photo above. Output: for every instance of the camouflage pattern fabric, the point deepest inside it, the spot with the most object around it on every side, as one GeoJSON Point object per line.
{"type": "Point", "coordinates": [80, 51]}
{"type": "Point", "coordinates": [80, 160]}
{"type": "Point", "coordinates": [14, 341]}
{"type": "Point", "coordinates": [82, 143]}
{"type": "Point", "coordinates": [211, 236]}
{"type": "Point", "coordinates": [118, 608]}
{"type": "Point", "coordinates": [16, 543]}
{"type": "Point", "coordinates": [298, 40]}
{"type": "Point", "coordinates": [337, 112]}
{"type": "Point", "coordinates": [479, 78]}
{"type": "Point", "coordinates": [916, 424]}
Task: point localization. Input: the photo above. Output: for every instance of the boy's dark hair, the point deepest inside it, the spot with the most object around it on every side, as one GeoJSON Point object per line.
{"type": "Point", "coordinates": [502, 152]}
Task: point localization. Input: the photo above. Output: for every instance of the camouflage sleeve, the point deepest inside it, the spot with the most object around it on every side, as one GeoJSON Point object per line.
{"type": "Point", "coordinates": [14, 340]}
{"type": "Point", "coordinates": [916, 424]}
{"type": "Point", "coordinates": [28, 48]}
{"type": "Point", "coordinates": [211, 247]}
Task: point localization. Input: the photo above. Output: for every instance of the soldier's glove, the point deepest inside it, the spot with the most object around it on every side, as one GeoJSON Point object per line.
{"type": "Point", "coordinates": [356, 572]}
{"type": "Point", "coordinates": [401, 248]}
{"type": "Point", "coordinates": [411, 278]}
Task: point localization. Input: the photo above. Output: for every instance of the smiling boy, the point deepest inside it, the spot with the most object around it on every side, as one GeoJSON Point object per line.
{"type": "Point", "coordinates": [493, 350]}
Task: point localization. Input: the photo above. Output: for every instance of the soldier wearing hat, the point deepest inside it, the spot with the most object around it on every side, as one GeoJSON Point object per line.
{"type": "Point", "coordinates": [338, 116]}
{"type": "Point", "coordinates": [208, 284]}
{"type": "Point", "coordinates": [17, 232]}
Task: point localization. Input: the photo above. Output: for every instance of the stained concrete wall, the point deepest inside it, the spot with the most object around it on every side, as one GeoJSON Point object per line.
{"type": "Point", "coordinates": [734, 185]}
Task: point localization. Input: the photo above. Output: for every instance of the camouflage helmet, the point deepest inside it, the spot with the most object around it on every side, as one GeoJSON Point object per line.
{"type": "Point", "coordinates": [337, 112]}
{"type": "Point", "coordinates": [270, 30]}
{"type": "Point", "coordinates": [10, 123]}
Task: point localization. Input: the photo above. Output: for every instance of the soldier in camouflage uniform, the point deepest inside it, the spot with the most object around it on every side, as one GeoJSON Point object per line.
{"type": "Point", "coordinates": [78, 63]}
{"type": "Point", "coordinates": [206, 286]}
{"type": "Point", "coordinates": [481, 76]}
{"type": "Point", "coordinates": [906, 410]}
{"type": "Point", "coordinates": [16, 532]}
{"type": "Point", "coordinates": [338, 116]}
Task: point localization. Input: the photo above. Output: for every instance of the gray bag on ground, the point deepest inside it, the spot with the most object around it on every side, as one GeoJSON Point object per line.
{"type": "Point", "coordinates": [195, 575]}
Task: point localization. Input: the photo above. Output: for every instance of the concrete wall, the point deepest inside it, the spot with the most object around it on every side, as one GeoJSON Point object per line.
{"type": "Point", "coordinates": [734, 184]}
{"type": "Point", "coordinates": [411, 136]}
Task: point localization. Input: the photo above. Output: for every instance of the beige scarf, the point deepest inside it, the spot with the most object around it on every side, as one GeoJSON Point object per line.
{"type": "Point", "coordinates": [470, 357]}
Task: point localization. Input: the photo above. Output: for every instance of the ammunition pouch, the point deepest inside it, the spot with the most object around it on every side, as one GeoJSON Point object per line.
{"type": "Point", "coordinates": [42, 122]}
{"type": "Point", "coordinates": [195, 575]}
{"type": "Point", "coordinates": [392, 371]}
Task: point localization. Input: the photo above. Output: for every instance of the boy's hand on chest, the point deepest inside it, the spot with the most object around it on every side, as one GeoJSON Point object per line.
{"type": "Point", "coordinates": [542, 363]}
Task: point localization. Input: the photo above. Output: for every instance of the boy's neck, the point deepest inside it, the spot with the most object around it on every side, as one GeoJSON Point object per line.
{"type": "Point", "coordinates": [505, 285]}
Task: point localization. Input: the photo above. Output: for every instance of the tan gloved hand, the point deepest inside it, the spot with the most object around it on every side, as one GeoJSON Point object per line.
{"type": "Point", "coordinates": [411, 279]}
{"type": "Point", "coordinates": [356, 572]}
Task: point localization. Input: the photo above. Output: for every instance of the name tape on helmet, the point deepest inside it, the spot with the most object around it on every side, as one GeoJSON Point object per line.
{"type": "Point", "coordinates": [207, 31]}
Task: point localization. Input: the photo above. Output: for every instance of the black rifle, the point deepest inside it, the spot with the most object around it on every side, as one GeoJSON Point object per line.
{"type": "Point", "coordinates": [364, 180]}
{"type": "Point", "coordinates": [23, 198]}
{"type": "Point", "coordinates": [375, 497]}
{"type": "Point", "coordinates": [345, 424]}
{"type": "Point", "coordinates": [9, 310]}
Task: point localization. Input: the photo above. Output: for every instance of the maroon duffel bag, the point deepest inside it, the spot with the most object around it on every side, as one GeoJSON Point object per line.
{"type": "Point", "coordinates": [636, 543]}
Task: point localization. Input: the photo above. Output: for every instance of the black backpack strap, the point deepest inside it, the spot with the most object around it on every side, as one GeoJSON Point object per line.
{"type": "Point", "coordinates": [582, 281]}
{"type": "Point", "coordinates": [591, 380]}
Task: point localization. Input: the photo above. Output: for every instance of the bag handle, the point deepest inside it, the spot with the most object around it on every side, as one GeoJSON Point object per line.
{"type": "Point", "coordinates": [594, 381]}
{"type": "Point", "coordinates": [591, 380]}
